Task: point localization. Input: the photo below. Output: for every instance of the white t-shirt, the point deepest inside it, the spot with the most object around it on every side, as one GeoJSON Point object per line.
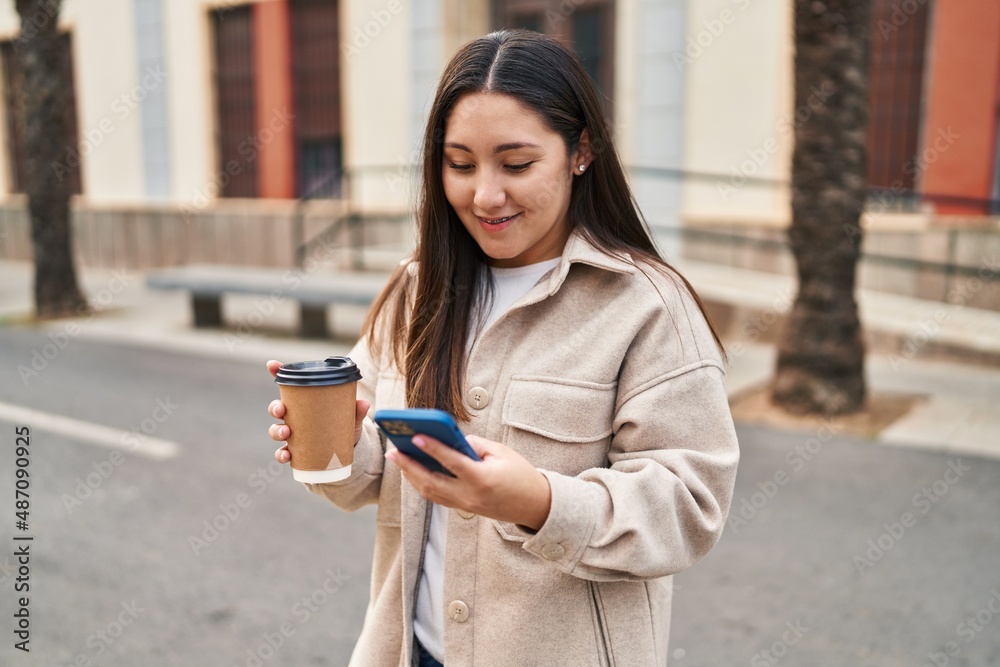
{"type": "Point", "coordinates": [428, 622]}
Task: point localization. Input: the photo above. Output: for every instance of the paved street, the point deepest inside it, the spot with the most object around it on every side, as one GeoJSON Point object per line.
{"type": "Point", "coordinates": [805, 559]}
{"type": "Point", "coordinates": [130, 542]}
{"type": "Point", "coordinates": [190, 551]}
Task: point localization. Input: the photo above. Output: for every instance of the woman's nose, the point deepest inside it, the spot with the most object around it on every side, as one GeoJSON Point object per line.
{"type": "Point", "coordinates": [490, 194]}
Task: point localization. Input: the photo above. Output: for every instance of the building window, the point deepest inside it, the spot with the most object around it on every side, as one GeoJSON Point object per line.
{"type": "Point", "coordinates": [316, 91]}
{"type": "Point", "coordinates": [585, 25]}
{"type": "Point", "coordinates": [895, 95]}
{"type": "Point", "coordinates": [315, 78]}
{"type": "Point", "coordinates": [234, 95]}
{"type": "Point", "coordinates": [13, 80]}
{"type": "Point", "coordinates": [995, 193]}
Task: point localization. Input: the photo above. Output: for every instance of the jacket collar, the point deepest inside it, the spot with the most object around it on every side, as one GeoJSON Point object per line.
{"type": "Point", "coordinates": [578, 250]}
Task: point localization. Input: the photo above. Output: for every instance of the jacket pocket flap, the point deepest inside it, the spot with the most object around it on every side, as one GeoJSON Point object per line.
{"type": "Point", "coordinates": [509, 531]}
{"type": "Point", "coordinates": [563, 410]}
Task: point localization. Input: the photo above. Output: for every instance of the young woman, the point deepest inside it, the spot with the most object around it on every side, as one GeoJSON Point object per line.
{"type": "Point", "coordinates": [537, 311]}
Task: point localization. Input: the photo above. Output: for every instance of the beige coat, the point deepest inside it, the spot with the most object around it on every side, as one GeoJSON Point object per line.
{"type": "Point", "coordinates": [605, 376]}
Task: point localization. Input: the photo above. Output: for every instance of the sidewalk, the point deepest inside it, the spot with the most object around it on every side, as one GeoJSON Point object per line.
{"type": "Point", "coordinates": [962, 410]}
{"type": "Point", "coordinates": [909, 327]}
{"type": "Point", "coordinates": [960, 414]}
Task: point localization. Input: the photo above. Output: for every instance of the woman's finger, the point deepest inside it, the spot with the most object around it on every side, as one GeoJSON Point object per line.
{"type": "Point", "coordinates": [430, 485]}
{"type": "Point", "coordinates": [411, 469]}
{"type": "Point", "coordinates": [282, 455]}
{"type": "Point", "coordinates": [278, 432]}
{"type": "Point", "coordinates": [273, 366]}
{"type": "Point", "coordinates": [480, 446]}
{"type": "Point", "coordinates": [454, 461]}
{"type": "Point", "coordinates": [276, 409]}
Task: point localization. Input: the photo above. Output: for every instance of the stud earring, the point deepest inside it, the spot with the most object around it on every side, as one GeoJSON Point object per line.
{"type": "Point", "coordinates": [583, 167]}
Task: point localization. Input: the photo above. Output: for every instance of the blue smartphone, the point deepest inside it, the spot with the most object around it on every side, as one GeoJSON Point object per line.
{"type": "Point", "coordinates": [402, 425]}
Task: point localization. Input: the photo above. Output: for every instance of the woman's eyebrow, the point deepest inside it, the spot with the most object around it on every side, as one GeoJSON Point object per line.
{"type": "Point", "coordinates": [499, 149]}
{"type": "Point", "coordinates": [513, 146]}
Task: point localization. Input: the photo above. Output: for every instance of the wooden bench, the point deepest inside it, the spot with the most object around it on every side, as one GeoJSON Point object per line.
{"type": "Point", "coordinates": [314, 292]}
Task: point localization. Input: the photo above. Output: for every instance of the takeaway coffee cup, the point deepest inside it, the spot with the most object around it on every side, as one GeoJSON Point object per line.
{"type": "Point", "coordinates": [320, 398]}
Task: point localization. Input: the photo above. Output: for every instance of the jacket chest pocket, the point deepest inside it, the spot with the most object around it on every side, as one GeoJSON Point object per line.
{"type": "Point", "coordinates": [559, 425]}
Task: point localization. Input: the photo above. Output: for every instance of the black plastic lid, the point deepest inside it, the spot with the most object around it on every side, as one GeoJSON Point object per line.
{"type": "Point", "coordinates": [332, 370]}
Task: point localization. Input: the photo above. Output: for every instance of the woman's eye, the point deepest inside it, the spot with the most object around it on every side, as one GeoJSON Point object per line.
{"type": "Point", "coordinates": [459, 167]}
{"type": "Point", "coordinates": [519, 167]}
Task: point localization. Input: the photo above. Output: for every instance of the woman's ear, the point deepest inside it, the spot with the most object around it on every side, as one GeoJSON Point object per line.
{"type": "Point", "coordinates": [583, 155]}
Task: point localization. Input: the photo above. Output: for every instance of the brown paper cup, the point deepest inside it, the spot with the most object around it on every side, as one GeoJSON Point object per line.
{"type": "Point", "coordinates": [321, 420]}
{"type": "Point", "coordinates": [320, 400]}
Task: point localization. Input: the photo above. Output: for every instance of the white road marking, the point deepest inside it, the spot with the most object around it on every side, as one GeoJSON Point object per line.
{"type": "Point", "coordinates": [95, 434]}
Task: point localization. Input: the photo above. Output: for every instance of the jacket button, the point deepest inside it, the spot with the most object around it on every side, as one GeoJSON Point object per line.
{"type": "Point", "coordinates": [479, 398]}
{"type": "Point", "coordinates": [465, 515]}
{"type": "Point", "coordinates": [553, 551]}
{"type": "Point", "coordinates": [458, 611]}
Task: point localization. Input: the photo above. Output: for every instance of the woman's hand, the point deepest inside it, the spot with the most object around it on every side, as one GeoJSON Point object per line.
{"type": "Point", "coordinates": [281, 432]}
{"type": "Point", "coordinates": [503, 486]}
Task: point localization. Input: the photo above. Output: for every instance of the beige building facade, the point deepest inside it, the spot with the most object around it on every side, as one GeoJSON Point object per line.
{"type": "Point", "coordinates": [148, 117]}
{"type": "Point", "coordinates": [201, 123]}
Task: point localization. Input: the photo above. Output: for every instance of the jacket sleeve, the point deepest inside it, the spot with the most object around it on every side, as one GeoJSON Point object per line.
{"type": "Point", "coordinates": [362, 487]}
{"type": "Point", "coordinates": [663, 501]}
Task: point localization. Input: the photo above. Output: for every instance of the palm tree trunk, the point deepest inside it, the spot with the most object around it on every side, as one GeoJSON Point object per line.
{"type": "Point", "coordinates": [40, 55]}
{"type": "Point", "coordinates": [821, 354]}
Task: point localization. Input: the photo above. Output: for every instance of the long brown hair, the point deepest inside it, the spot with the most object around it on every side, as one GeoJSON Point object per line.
{"type": "Point", "coordinates": [428, 338]}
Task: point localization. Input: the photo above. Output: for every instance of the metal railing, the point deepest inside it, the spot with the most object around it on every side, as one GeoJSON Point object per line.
{"type": "Point", "coordinates": [948, 269]}
{"type": "Point", "coordinates": [354, 222]}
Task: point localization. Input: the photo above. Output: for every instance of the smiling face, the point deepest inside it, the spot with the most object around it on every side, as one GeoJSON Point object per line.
{"type": "Point", "coordinates": [509, 178]}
